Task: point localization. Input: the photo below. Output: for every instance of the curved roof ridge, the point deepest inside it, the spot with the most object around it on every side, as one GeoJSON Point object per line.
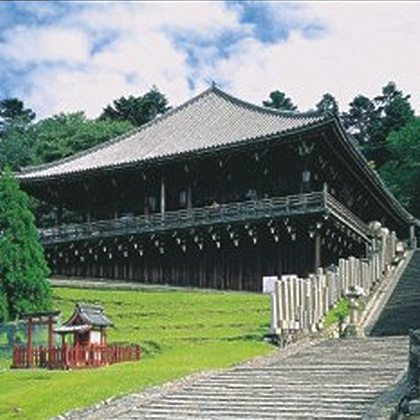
{"type": "Point", "coordinates": [159, 132]}
{"type": "Point", "coordinates": [134, 131]}
{"type": "Point", "coordinates": [264, 109]}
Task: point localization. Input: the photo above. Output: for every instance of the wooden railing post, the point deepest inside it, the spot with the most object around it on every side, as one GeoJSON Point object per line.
{"type": "Point", "coordinates": [65, 356]}
{"type": "Point", "coordinates": [29, 346]}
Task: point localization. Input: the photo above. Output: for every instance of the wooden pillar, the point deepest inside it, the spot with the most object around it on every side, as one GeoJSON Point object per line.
{"type": "Point", "coordinates": [59, 216]}
{"type": "Point", "coordinates": [162, 194]}
{"type": "Point", "coordinates": [146, 196]}
{"type": "Point", "coordinates": [50, 340]}
{"type": "Point", "coordinates": [189, 190]}
{"type": "Point", "coordinates": [29, 346]}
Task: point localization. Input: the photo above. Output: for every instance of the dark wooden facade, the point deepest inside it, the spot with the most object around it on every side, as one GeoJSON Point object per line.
{"type": "Point", "coordinates": [217, 194]}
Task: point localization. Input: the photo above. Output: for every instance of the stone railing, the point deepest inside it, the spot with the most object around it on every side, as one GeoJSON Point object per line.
{"type": "Point", "coordinates": [300, 304]}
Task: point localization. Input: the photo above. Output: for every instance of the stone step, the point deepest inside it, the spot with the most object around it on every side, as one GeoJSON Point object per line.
{"type": "Point", "coordinates": [289, 394]}
{"type": "Point", "coordinates": [298, 412]}
{"type": "Point", "coordinates": [334, 379]}
{"type": "Point", "coordinates": [195, 416]}
{"type": "Point", "coordinates": [402, 310]}
{"type": "Point", "coordinates": [291, 398]}
{"type": "Point", "coordinates": [260, 407]}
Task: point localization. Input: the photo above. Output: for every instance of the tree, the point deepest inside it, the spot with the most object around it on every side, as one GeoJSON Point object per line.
{"type": "Point", "coordinates": [328, 104]}
{"type": "Point", "coordinates": [23, 269]}
{"type": "Point", "coordinates": [362, 119]}
{"type": "Point", "coordinates": [63, 135]}
{"type": "Point", "coordinates": [401, 172]}
{"type": "Point", "coordinates": [137, 110]}
{"type": "Point", "coordinates": [15, 146]}
{"type": "Point", "coordinates": [371, 121]}
{"type": "Point", "coordinates": [279, 100]}
{"type": "Point", "coordinates": [13, 109]}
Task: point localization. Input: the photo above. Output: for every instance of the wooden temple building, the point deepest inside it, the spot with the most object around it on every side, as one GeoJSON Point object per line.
{"type": "Point", "coordinates": [217, 193]}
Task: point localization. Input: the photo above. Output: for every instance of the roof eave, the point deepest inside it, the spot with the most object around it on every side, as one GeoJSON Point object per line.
{"type": "Point", "coordinates": [164, 159]}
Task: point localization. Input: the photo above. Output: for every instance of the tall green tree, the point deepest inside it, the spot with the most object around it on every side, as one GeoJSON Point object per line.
{"type": "Point", "coordinates": [13, 109]}
{"type": "Point", "coordinates": [328, 103]}
{"type": "Point", "coordinates": [23, 269]}
{"type": "Point", "coordinates": [279, 100]}
{"type": "Point", "coordinates": [370, 121]}
{"type": "Point", "coordinates": [137, 110]}
{"type": "Point", "coordinates": [16, 148]}
{"type": "Point", "coordinates": [401, 172]}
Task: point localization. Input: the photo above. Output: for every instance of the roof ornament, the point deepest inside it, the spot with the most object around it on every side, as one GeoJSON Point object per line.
{"type": "Point", "coordinates": [213, 84]}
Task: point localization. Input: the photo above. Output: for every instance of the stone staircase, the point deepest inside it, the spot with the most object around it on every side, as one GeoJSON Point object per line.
{"type": "Point", "coordinates": [333, 379]}
{"type": "Point", "coordinates": [353, 378]}
{"type": "Point", "coordinates": [402, 311]}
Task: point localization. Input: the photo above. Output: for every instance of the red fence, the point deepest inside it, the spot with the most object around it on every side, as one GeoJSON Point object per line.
{"type": "Point", "coordinates": [73, 357]}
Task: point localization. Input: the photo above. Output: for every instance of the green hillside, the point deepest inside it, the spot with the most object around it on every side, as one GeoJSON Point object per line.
{"type": "Point", "coordinates": [180, 332]}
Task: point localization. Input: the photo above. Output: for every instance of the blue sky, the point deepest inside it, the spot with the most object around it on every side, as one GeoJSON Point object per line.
{"type": "Point", "coordinates": [69, 56]}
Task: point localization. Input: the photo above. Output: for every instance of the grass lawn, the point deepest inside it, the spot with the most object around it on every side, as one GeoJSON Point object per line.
{"type": "Point", "coordinates": [180, 333]}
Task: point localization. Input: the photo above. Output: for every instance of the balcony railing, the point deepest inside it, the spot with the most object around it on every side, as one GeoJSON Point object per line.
{"type": "Point", "coordinates": [249, 211]}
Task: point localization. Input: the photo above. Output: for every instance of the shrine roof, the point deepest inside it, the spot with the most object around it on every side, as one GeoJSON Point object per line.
{"type": "Point", "coordinates": [210, 120]}
{"type": "Point", "coordinates": [88, 315]}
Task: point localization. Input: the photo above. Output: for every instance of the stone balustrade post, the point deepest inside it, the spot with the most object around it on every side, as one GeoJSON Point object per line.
{"type": "Point", "coordinates": [274, 298]}
{"type": "Point", "coordinates": [296, 299]}
{"type": "Point", "coordinates": [285, 304]}
{"type": "Point", "coordinates": [308, 303]}
{"type": "Point", "coordinates": [279, 304]}
{"type": "Point", "coordinates": [291, 299]}
{"type": "Point", "coordinates": [342, 275]}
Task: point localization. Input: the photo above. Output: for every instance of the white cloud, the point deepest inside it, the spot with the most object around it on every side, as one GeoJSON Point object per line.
{"type": "Point", "coordinates": [141, 53]}
{"type": "Point", "coordinates": [362, 47]}
{"type": "Point", "coordinates": [366, 46]}
{"type": "Point", "coordinates": [33, 44]}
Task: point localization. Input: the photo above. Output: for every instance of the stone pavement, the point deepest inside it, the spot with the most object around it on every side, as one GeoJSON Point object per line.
{"type": "Point", "coordinates": [332, 379]}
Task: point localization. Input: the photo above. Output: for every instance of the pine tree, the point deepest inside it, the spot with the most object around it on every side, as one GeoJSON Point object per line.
{"type": "Point", "coordinates": [23, 270]}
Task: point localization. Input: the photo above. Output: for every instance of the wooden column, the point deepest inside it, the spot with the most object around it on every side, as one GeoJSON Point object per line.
{"type": "Point", "coordinates": [50, 340]}
{"type": "Point", "coordinates": [88, 208]}
{"type": "Point", "coordinates": [59, 216]}
{"type": "Point", "coordinates": [162, 194]}
{"type": "Point", "coordinates": [189, 188]}
{"type": "Point", "coordinates": [146, 196]}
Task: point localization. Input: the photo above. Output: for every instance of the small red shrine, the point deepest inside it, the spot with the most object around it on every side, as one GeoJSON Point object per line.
{"type": "Point", "coordinates": [87, 325]}
{"type": "Point", "coordinates": [88, 347]}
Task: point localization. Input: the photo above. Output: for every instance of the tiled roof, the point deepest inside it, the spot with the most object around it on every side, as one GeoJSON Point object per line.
{"type": "Point", "coordinates": [210, 120]}
{"type": "Point", "coordinates": [89, 315]}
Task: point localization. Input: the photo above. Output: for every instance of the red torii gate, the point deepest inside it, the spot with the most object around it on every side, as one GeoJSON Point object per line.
{"type": "Point", "coordinates": [40, 318]}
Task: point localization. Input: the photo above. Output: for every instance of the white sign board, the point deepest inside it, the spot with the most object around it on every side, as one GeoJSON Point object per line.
{"type": "Point", "coordinates": [268, 284]}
